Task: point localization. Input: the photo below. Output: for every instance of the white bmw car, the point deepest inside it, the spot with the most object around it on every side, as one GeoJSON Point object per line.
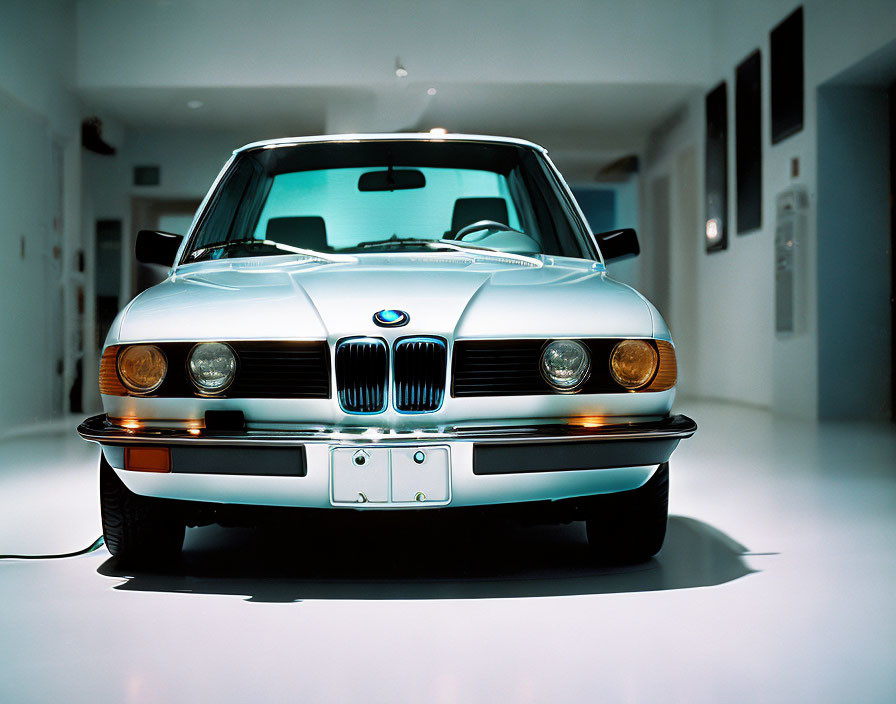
{"type": "Point", "coordinates": [387, 323]}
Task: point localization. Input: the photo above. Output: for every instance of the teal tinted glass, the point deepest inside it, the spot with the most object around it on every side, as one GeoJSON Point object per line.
{"type": "Point", "coordinates": [352, 216]}
{"type": "Point", "coordinates": [336, 197]}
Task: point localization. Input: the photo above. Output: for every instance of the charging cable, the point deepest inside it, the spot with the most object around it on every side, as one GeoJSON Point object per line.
{"type": "Point", "coordinates": [98, 543]}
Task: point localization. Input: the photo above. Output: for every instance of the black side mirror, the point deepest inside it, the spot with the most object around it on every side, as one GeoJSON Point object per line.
{"type": "Point", "coordinates": [617, 245]}
{"type": "Point", "coordinates": [155, 247]}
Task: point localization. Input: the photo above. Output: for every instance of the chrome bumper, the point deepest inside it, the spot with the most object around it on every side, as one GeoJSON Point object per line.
{"type": "Point", "coordinates": [100, 429]}
{"type": "Point", "coordinates": [489, 464]}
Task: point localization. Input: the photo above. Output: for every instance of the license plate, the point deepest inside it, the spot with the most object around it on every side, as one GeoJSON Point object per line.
{"type": "Point", "coordinates": [387, 476]}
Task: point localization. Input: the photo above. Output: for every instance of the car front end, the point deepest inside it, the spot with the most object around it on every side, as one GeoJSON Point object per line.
{"type": "Point", "coordinates": [473, 371]}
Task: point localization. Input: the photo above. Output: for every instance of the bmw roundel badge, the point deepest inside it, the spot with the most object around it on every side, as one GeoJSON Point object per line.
{"type": "Point", "coordinates": [391, 318]}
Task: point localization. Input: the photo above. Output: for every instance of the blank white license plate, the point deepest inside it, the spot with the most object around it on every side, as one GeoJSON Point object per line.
{"type": "Point", "coordinates": [388, 476]}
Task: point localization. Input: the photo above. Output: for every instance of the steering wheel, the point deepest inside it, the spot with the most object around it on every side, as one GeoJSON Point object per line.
{"type": "Point", "coordinates": [481, 225]}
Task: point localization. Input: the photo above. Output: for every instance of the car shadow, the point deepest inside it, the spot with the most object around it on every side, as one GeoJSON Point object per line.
{"type": "Point", "coordinates": [420, 559]}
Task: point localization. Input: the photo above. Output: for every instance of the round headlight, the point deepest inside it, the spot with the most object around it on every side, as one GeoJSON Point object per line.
{"type": "Point", "coordinates": [633, 363]}
{"type": "Point", "coordinates": [565, 364]}
{"type": "Point", "coordinates": [142, 368]}
{"type": "Point", "coordinates": [212, 367]}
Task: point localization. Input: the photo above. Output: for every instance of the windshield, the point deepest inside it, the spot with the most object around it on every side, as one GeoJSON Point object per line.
{"type": "Point", "coordinates": [368, 196]}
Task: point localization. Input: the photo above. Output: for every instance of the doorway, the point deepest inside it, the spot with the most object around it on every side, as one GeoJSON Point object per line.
{"type": "Point", "coordinates": [855, 245]}
{"type": "Point", "coordinates": [660, 235]}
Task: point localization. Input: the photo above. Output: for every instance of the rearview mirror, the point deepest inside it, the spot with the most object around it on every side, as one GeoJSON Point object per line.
{"type": "Point", "coordinates": [391, 180]}
{"type": "Point", "coordinates": [617, 245]}
{"type": "Point", "coordinates": [154, 247]}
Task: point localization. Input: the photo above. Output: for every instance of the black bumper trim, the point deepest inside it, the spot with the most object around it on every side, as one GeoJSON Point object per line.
{"type": "Point", "coordinates": [233, 459]}
{"type": "Point", "coordinates": [521, 458]}
{"type": "Point", "coordinates": [620, 446]}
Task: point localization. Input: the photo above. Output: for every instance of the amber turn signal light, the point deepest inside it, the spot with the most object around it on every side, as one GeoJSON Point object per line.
{"type": "Point", "coordinates": [147, 459]}
{"type": "Point", "coordinates": [667, 372]}
{"type": "Point", "coordinates": [110, 384]}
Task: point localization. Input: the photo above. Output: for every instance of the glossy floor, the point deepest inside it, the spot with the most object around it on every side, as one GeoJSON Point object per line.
{"type": "Point", "coordinates": [776, 583]}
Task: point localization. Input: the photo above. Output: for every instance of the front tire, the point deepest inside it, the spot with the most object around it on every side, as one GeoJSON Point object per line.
{"type": "Point", "coordinates": [630, 526]}
{"type": "Point", "coordinates": [138, 530]}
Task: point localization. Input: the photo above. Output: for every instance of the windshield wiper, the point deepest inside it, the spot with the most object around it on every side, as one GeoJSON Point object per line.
{"type": "Point", "coordinates": [418, 242]}
{"type": "Point", "coordinates": [393, 241]}
{"type": "Point", "coordinates": [452, 246]}
{"type": "Point", "coordinates": [202, 253]}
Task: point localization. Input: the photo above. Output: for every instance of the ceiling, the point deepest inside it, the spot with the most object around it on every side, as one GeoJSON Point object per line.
{"type": "Point", "coordinates": [584, 125]}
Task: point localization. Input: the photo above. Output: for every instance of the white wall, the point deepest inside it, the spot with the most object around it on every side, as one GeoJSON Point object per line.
{"type": "Point", "coordinates": [190, 160]}
{"type": "Point", "coordinates": [37, 110]}
{"type": "Point", "coordinates": [740, 357]}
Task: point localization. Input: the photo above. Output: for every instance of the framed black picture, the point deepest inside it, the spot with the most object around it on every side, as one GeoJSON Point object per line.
{"type": "Point", "coordinates": [787, 77]}
{"type": "Point", "coordinates": [716, 171]}
{"type": "Point", "coordinates": [748, 142]}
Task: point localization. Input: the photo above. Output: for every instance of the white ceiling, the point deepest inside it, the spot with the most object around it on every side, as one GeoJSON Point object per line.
{"type": "Point", "coordinates": [586, 78]}
{"type": "Point", "coordinates": [583, 125]}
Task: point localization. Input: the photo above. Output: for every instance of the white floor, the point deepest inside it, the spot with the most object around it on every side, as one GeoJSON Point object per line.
{"type": "Point", "coordinates": [777, 583]}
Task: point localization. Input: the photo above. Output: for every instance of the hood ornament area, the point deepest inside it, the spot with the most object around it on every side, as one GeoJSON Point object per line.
{"type": "Point", "coordinates": [391, 318]}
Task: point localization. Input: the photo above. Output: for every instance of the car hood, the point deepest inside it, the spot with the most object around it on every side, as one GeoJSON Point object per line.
{"type": "Point", "coordinates": [447, 294]}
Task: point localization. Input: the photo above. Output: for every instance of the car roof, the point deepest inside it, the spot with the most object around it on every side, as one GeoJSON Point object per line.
{"type": "Point", "coordinates": [391, 137]}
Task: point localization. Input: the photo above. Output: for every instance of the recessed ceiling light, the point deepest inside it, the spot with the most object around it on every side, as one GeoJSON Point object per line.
{"type": "Point", "coordinates": [431, 91]}
{"type": "Point", "coordinates": [438, 130]}
{"type": "Point", "coordinates": [194, 104]}
{"type": "Point", "coordinates": [401, 71]}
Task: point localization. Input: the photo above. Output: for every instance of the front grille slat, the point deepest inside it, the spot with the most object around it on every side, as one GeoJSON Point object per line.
{"type": "Point", "coordinates": [497, 367]}
{"type": "Point", "coordinates": [281, 370]}
{"type": "Point", "coordinates": [361, 374]}
{"type": "Point", "coordinates": [419, 368]}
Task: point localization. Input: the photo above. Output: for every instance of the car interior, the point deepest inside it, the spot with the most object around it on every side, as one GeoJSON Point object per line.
{"type": "Point", "coordinates": [310, 231]}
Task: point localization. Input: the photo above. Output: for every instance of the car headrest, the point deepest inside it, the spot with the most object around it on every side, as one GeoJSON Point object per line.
{"type": "Point", "coordinates": [470, 210]}
{"type": "Point", "coordinates": [307, 232]}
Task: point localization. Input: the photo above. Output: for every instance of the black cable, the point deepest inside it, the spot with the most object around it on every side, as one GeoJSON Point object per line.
{"type": "Point", "coordinates": [98, 543]}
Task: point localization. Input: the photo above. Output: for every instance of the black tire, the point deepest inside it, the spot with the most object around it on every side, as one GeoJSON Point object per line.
{"type": "Point", "coordinates": [139, 531]}
{"type": "Point", "coordinates": [630, 526]}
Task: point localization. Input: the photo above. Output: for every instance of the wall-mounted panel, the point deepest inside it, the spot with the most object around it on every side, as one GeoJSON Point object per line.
{"type": "Point", "coordinates": [787, 77]}
{"type": "Point", "coordinates": [748, 142]}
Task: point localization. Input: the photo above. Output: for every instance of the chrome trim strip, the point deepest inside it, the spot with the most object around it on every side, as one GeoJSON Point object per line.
{"type": "Point", "coordinates": [200, 213]}
{"type": "Point", "coordinates": [576, 208]}
{"type": "Point", "coordinates": [99, 429]}
{"type": "Point", "coordinates": [388, 137]}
